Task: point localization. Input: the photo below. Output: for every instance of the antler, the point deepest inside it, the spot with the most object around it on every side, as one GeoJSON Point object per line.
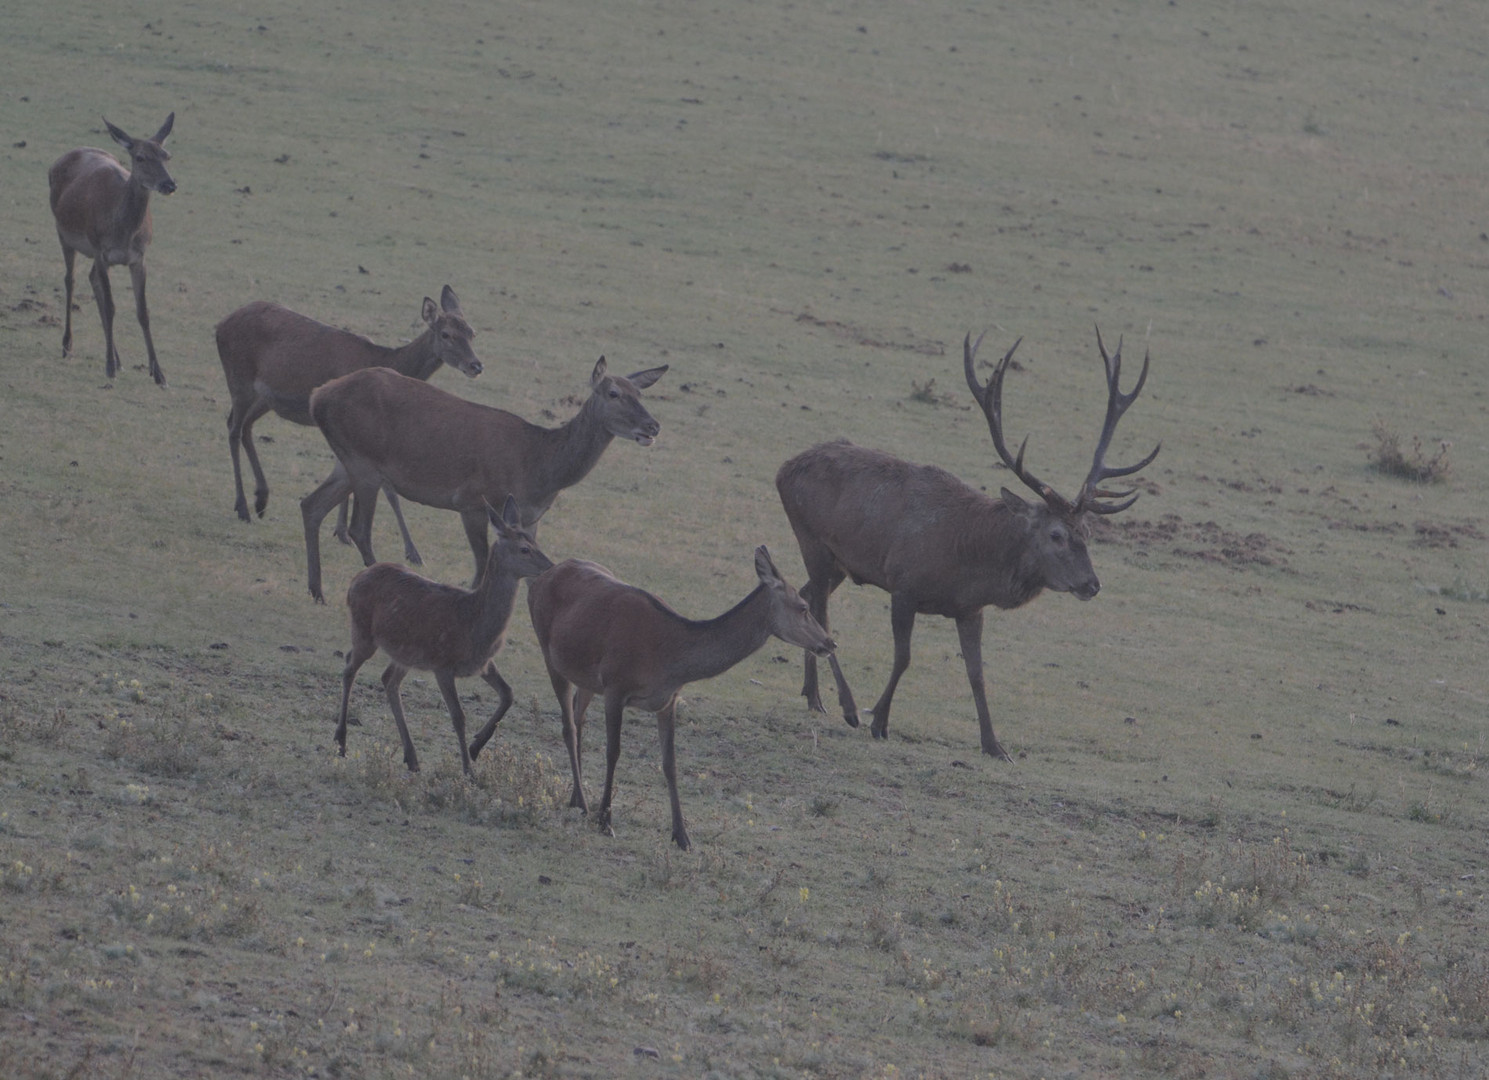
{"type": "Point", "coordinates": [990, 397]}
{"type": "Point", "coordinates": [1116, 404]}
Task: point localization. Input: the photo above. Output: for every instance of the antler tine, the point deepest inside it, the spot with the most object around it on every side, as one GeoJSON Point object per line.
{"type": "Point", "coordinates": [1116, 404]}
{"type": "Point", "coordinates": [990, 397]}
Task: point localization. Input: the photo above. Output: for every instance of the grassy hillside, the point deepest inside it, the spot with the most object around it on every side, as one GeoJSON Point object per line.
{"type": "Point", "coordinates": [1244, 831]}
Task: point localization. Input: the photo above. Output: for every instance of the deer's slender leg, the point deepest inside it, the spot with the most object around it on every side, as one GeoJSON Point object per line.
{"type": "Point", "coordinates": [614, 711]}
{"type": "Point", "coordinates": [902, 623]}
{"type": "Point", "coordinates": [360, 652]}
{"type": "Point", "coordinates": [392, 681]}
{"type": "Point", "coordinates": [446, 680]}
{"type": "Point", "coordinates": [969, 630]}
{"type": "Point", "coordinates": [137, 276]}
{"type": "Point", "coordinates": [313, 510]}
{"type": "Point", "coordinates": [475, 534]}
{"type": "Point", "coordinates": [69, 256]}
{"type": "Point", "coordinates": [504, 702]}
{"type": "Point", "coordinates": [103, 296]}
{"type": "Point", "coordinates": [572, 734]}
{"type": "Point", "coordinates": [666, 731]}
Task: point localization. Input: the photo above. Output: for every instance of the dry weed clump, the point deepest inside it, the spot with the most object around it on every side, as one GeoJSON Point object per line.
{"type": "Point", "coordinates": [1389, 458]}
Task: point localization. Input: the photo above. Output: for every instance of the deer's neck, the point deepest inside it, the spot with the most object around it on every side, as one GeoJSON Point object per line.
{"type": "Point", "coordinates": [1003, 550]}
{"type": "Point", "coordinates": [491, 606]}
{"type": "Point", "coordinates": [566, 454]}
{"type": "Point", "coordinates": [418, 359]}
{"type": "Point", "coordinates": [132, 210]}
{"type": "Point", "coordinates": [712, 646]}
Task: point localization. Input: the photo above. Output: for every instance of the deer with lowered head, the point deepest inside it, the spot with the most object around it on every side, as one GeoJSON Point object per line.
{"type": "Point", "coordinates": [939, 547]}
{"type": "Point", "coordinates": [273, 358]}
{"type": "Point", "coordinates": [453, 632]}
{"type": "Point", "coordinates": [103, 211]}
{"type": "Point", "coordinates": [390, 431]}
{"type": "Point", "coordinates": [602, 636]}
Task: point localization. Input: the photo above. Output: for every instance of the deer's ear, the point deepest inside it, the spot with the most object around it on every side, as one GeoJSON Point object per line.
{"type": "Point", "coordinates": [765, 569]}
{"type": "Point", "coordinates": [119, 135]}
{"type": "Point", "coordinates": [430, 312]}
{"type": "Point", "coordinates": [1013, 502]}
{"type": "Point", "coordinates": [165, 129]}
{"type": "Point", "coordinates": [642, 379]}
{"type": "Point", "coordinates": [599, 373]}
{"type": "Point", "coordinates": [510, 514]}
{"type": "Point", "coordinates": [449, 301]}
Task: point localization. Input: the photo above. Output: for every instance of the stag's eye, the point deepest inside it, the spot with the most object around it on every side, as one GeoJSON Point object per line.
{"type": "Point", "coordinates": [1057, 536]}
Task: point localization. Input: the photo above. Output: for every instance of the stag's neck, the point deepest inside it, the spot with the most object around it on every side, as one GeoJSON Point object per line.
{"type": "Point", "coordinates": [566, 454]}
{"type": "Point", "coordinates": [418, 359]}
{"type": "Point", "coordinates": [711, 647]}
{"type": "Point", "coordinates": [1000, 544]}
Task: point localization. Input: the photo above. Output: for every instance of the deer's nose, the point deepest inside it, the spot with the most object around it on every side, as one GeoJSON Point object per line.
{"type": "Point", "coordinates": [474, 368]}
{"type": "Point", "coordinates": [166, 186]}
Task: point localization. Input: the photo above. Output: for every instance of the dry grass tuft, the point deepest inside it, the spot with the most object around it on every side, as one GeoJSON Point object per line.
{"type": "Point", "coordinates": [1389, 458]}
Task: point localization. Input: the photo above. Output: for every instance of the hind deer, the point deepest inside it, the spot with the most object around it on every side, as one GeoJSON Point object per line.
{"type": "Point", "coordinates": [103, 211]}
{"type": "Point", "coordinates": [939, 547]}
{"type": "Point", "coordinates": [388, 430]}
{"type": "Point", "coordinates": [453, 632]}
{"type": "Point", "coordinates": [602, 636]}
{"type": "Point", "coordinates": [273, 358]}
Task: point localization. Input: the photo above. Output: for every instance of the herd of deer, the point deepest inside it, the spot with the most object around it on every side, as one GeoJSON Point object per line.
{"type": "Point", "coordinates": [935, 544]}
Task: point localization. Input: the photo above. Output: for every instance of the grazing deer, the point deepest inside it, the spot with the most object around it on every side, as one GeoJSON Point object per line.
{"type": "Point", "coordinates": [273, 358]}
{"type": "Point", "coordinates": [103, 210]}
{"type": "Point", "coordinates": [440, 450]}
{"type": "Point", "coordinates": [453, 632]}
{"type": "Point", "coordinates": [937, 546]}
{"type": "Point", "coordinates": [602, 636]}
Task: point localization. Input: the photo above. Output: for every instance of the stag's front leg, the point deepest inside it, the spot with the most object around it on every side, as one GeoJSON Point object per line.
{"type": "Point", "coordinates": [969, 630]}
{"type": "Point", "coordinates": [902, 624]}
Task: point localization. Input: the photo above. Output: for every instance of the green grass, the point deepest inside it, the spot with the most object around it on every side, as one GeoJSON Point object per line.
{"type": "Point", "coordinates": [1243, 832]}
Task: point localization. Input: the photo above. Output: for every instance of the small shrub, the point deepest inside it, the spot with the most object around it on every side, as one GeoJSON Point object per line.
{"type": "Point", "coordinates": [1388, 457]}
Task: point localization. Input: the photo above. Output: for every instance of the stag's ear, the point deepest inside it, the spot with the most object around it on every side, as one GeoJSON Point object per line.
{"type": "Point", "coordinates": [119, 135]}
{"type": "Point", "coordinates": [642, 379]}
{"type": "Point", "coordinates": [430, 312]}
{"type": "Point", "coordinates": [765, 569]}
{"type": "Point", "coordinates": [1013, 502]}
{"type": "Point", "coordinates": [449, 301]}
{"type": "Point", "coordinates": [599, 373]}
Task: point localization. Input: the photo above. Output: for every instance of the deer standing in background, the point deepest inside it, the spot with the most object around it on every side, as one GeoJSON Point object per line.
{"type": "Point", "coordinates": [937, 546]}
{"type": "Point", "coordinates": [103, 210]}
{"type": "Point", "coordinates": [453, 632]}
{"type": "Point", "coordinates": [388, 430]}
{"type": "Point", "coordinates": [602, 636]}
{"type": "Point", "coordinates": [273, 358]}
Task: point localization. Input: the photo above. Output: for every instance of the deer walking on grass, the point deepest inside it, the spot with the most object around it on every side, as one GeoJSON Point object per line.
{"type": "Point", "coordinates": [453, 632]}
{"type": "Point", "coordinates": [273, 358]}
{"type": "Point", "coordinates": [390, 431]}
{"type": "Point", "coordinates": [602, 636]}
{"type": "Point", "coordinates": [939, 547]}
{"type": "Point", "coordinates": [103, 211]}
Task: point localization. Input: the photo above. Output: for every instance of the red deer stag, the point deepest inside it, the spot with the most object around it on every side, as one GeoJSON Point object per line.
{"type": "Point", "coordinates": [602, 636]}
{"type": "Point", "coordinates": [937, 546]}
{"type": "Point", "coordinates": [440, 450]}
{"type": "Point", "coordinates": [273, 358]}
{"type": "Point", "coordinates": [450, 631]}
{"type": "Point", "coordinates": [103, 210]}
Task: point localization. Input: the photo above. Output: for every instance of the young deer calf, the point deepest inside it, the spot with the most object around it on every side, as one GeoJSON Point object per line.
{"type": "Point", "coordinates": [450, 631]}
{"type": "Point", "coordinates": [602, 636]}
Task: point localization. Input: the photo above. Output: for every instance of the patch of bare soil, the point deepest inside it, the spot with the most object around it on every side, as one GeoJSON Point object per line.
{"type": "Point", "coordinates": [1435, 535]}
{"type": "Point", "coordinates": [1203, 540]}
{"type": "Point", "coordinates": [860, 336]}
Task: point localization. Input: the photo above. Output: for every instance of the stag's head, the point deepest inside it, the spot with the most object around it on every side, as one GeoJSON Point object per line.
{"type": "Point", "coordinates": [618, 401]}
{"type": "Point", "coordinates": [147, 157]}
{"type": "Point", "coordinates": [1057, 526]}
{"type": "Point", "coordinates": [790, 618]}
{"type": "Point", "coordinates": [452, 334]}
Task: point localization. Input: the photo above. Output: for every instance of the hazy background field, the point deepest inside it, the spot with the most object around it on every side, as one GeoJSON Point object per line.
{"type": "Point", "coordinates": [1244, 835]}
